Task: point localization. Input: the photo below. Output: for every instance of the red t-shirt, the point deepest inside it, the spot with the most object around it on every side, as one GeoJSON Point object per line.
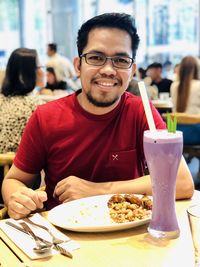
{"type": "Point", "coordinates": [64, 139]}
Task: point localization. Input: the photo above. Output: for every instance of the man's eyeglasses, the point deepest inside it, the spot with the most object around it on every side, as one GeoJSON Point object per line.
{"type": "Point", "coordinates": [120, 62]}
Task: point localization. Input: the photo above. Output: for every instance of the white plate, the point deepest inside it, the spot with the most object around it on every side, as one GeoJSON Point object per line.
{"type": "Point", "coordinates": [89, 214]}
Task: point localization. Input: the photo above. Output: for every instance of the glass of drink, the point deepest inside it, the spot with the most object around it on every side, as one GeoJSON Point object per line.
{"type": "Point", "coordinates": [163, 151]}
{"type": "Point", "coordinates": [194, 220]}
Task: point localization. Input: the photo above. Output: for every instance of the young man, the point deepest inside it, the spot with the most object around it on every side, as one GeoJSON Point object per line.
{"type": "Point", "coordinates": [91, 142]}
{"type": "Point", "coordinates": [154, 71]}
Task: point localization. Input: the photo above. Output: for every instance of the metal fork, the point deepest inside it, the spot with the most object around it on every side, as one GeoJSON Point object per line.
{"type": "Point", "coordinates": [55, 240]}
{"type": "Point", "coordinates": [64, 251]}
{"type": "Point", "coordinates": [41, 247]}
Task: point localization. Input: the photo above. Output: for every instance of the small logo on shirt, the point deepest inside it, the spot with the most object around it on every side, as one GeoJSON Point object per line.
{"type": "Point", "coordinates": [114, 157]}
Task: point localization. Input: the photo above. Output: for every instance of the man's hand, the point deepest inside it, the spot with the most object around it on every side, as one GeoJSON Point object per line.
{"type": "Point", "coordinates": [24, 201]}
{"type": "Point", "coordinates": [72, 188]}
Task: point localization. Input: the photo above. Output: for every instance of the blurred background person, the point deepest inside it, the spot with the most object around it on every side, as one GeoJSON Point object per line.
{"type": "Point", "coordinates": [17, 102]}
{"type": "Point", "coordinates": [54, 86]}
{"type": "Point", "coordinates": [22, 75]}
{"type": "Point", "coordinates": [140, 75]}
{"type": "Point", "coordinates": [176, 72]}
{"type": "Point", "coordinates": [185, 92]}
{"type": "Point", "coordinates": [52, 82]}
{"type": "Point", "coordinates": [62, 66]}
{"type": "Point", "coordinates": [154, 71]}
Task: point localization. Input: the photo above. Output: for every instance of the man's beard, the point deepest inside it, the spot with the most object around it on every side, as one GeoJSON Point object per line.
{"type": "Point", "coordinates": [97, 103]}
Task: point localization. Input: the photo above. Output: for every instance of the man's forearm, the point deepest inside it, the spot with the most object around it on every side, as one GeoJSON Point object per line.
{"type": "Point", "coordinates": [10, 186]}
{"type": "Point", "coordinates": [141, 185]}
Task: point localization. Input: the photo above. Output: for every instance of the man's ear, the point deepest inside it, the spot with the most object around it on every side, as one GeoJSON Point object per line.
{"type": "Point", "coordinates": [133, 69]}
{"type": "Point", "coordinates": [77, 66]}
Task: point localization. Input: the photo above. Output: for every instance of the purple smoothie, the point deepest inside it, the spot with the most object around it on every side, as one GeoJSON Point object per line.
{"type": "Point", "coordinates": [163, 153]}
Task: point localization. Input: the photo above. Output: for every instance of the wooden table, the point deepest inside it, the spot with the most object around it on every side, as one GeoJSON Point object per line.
{"type": "Point", "coordinates": [133, 247]}
{"type": "Point", "coordinates": [163, 106]}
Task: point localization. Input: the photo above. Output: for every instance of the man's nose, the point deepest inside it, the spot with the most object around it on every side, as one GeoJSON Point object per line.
{"type": "Point", "coordinates": [108, 67]}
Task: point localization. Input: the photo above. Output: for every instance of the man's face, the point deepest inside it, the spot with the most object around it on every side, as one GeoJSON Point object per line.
{"type": "Point", "coordinates": [51, 79]}
{"type": "Point", "coordinates": [154, 73]}
{"type": "Point", "coordinates": [102, 86]}
{"type": "Point", "coordinates": [49, 51]}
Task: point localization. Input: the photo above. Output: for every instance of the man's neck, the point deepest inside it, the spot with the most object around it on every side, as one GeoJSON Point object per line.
{"type": "Point", "coordinates": [159, 79]}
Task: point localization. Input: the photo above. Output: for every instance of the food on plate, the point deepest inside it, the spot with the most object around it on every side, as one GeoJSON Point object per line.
{"type": "Point", "coordinates": [129, 207]}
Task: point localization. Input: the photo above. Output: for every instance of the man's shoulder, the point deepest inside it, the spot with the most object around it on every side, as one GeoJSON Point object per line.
{"type": "Point", "coordinates": [57, 105]}
{"type": "Point", "coordinates": [167, 81]}
{"type": "Point", "coordinates": [62, 58]}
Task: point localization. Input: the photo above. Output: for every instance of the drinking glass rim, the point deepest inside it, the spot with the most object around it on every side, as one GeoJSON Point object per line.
{"type": "Point", "coordinates": [193, 213]}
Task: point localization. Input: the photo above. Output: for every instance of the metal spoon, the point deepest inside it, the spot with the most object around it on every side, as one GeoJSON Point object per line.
{"type": "Point", "coordinates": [55, 240]}
{"type": "Point", "coordinates": [40, 246]}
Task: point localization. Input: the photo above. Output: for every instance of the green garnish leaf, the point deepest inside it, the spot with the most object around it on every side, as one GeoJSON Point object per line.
{"type": "Point", "coordinates": [171, 123]}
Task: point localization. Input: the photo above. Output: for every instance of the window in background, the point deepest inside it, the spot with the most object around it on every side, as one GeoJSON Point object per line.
{"type": "Point", "coordinates": [33, 19]}
{"type": "Point", "coordinates": [168, 29]}
{"type": "Point", "coordinates": [22, 24]}
{"type": "Point", "coordinates": [172, 29]}
{"type": "Point", "coordinates": [65, 20]}
{"type": "Point", "coordinates": [9, 29]}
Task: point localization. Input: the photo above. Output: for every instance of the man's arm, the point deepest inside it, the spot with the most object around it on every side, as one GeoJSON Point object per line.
{"type": "Point", "coordinates": [20, 199]}
{"type": "Point", "coordinates": [142, 185]}
{"type": "Point", "coordinates": [74, 188]}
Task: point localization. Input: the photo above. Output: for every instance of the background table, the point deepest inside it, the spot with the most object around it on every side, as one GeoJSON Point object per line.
{"type": "Point", "coordinates": [163, 106]}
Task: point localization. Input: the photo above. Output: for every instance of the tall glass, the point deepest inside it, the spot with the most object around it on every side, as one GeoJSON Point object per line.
{"type": "Point", "coordinates": [163, 151]}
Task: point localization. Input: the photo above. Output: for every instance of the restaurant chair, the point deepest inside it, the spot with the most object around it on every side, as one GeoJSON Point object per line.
{"type": "Point", "coordinates": [6, 160]}
{"type": "Point", "coordinates": [2, 75]}
{"type": "Point", "coordinates": [190, 126]}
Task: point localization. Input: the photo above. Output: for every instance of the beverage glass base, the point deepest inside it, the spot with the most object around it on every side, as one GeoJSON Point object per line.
{"type": "Point", "coordinates": [164, 234]}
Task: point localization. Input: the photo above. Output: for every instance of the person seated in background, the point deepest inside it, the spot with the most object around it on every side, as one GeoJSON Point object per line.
{"type": "Point", "coordinates": [141, 73]}
{"type": "Point", "coordinates": [185, 92]}
{"type": "Point", "coordinates": [133, 87]}
{"type": "Point", "coordinates": [90, 142]}
{"type": "Point", "coordinates": [176, 72]}
{"type": "Point", "coordinates": [154, 71]}
{"type": "Point", "coordinates": [52, 82]}
{"type": "Point", "coordinates": [64, 69]}
{"type": "Point", "coordinates": [17, 104]}
{"type": "Point", "coordinates": [22, 75]}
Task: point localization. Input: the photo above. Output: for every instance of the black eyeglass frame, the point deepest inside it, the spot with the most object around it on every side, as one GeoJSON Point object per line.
{"type": "Point", "coordinates": [106, 58]}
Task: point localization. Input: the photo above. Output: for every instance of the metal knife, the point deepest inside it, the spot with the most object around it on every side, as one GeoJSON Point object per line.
{"type": "Point", "coordinates": [24, 231]}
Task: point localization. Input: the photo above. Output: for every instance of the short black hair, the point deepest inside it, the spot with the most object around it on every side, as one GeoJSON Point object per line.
{"type": "Point", "coordinates": [53, 46]}
{"type": "Point", "coordinates": [51, 69]}
{"type": "Point", "coordinates": [120, 21]}
{"type": "Point", "coordinates": [20, 75]}
{"type": "Point", "coordinates": [155, 65]}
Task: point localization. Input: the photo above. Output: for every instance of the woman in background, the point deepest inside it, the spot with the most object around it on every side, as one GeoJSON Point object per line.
{"type": "Point", "coordinates": [185, 92]}
{"type": "Point", "coordinates": [22, 75]}
{"type": "Point", "coordinates": [52, 81]}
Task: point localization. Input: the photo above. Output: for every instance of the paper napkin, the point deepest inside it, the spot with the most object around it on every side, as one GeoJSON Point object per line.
{"type": "Point", "coordinates": [26, 243]}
